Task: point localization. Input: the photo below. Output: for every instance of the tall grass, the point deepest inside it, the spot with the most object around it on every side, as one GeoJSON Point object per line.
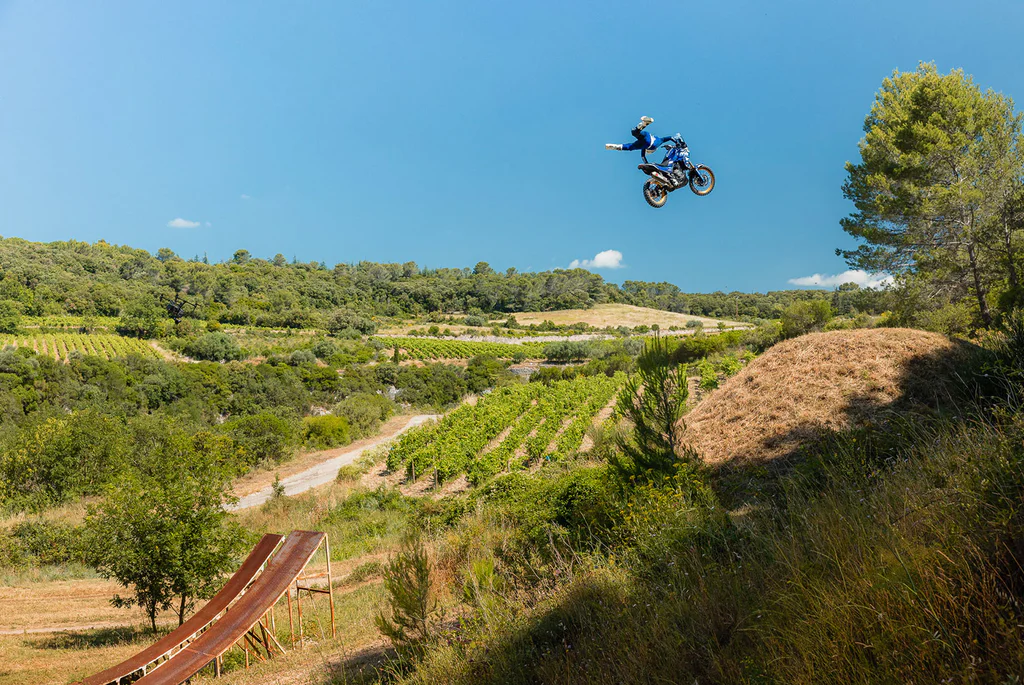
{"type": "Point", "coordinates": [887, 557]}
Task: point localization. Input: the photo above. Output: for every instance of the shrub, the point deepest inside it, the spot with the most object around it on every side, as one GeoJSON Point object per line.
{"type": "Point", "coordinates": [475, 321]}
{"type": "Point", "coordinates": [566, 351]}
{"type": "Point", "coordinates": [10, 316]}
{"type": "Point", "coordinates": [708, 375]}
{"type": "Point", "coordinates": [325, 432]}
{"type": "Point", "coordinates": [412, 600]}
{"type": "Point", "coordinates": [343, 319]}
{"type": "Point", "coordinates": [263, 437]}
{"type": "Point", "coordinates": [803, 317]}
{"type": "Point", "coordinates": [214, 347]}
{"type": "Point", "coordinates": [324, 349]}
{"type": "Point", "coordinates": [300, 357]}
{"type": "Point", "coordinates": [365, 412]}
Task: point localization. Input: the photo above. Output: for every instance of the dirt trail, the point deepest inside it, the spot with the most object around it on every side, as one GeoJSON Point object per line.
{"type": "Point", "coordinates": [325, 471]}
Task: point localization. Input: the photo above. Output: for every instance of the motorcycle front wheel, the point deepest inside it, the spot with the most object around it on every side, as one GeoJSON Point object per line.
{"type": "Point", "coordinates": [655, 195]}
{"type": "Point", "coordinates": [702, 180]}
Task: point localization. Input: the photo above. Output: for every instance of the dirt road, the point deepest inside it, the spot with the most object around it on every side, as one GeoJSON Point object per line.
{"type": "Point", "coordinates": [325, 471]}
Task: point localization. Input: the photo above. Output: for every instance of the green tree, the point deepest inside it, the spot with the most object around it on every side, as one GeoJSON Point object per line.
{"type": "Point", "coordinates": [10, 316]}
{"type": "Point", "coordinates": [653, 401]}
{"type": "Point", "coordinates": [241, 257]}
{"type": "Point", "coordinates": [800, 318]}
{"type": "Point", "coordinates": [142, 319]}
{"type": "Point", "coordinates": [939, 163]}
{"type": "Point", "coordinates": [164, 534]}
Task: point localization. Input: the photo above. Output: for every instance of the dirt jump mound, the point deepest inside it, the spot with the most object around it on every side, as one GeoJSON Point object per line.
{"type": "Point", "coordinates": [835, 380]}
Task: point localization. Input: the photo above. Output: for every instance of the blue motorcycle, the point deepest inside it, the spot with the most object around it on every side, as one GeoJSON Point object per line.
{"type": "Point", "coordinates": [674, 172]}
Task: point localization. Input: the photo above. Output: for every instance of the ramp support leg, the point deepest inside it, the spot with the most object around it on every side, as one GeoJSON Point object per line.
{"type": "Point", "coordinates": [330, 585]}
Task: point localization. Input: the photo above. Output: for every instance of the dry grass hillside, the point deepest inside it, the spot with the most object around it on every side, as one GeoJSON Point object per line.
{"type": "Point", "coordinates": [621, 315]}
{"type": "Point", "coordinates": [821, 381]}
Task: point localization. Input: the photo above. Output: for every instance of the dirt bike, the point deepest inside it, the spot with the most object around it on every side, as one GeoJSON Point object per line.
{"type": "Point", "coordinates": [674, 172]}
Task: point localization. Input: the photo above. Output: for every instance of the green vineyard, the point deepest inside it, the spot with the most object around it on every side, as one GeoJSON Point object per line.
{"type": "Point", "coordinates": [433, 348]}
{"type": "Point", "coordinates": [61, 345]}
{"type": "Point", "coordinates": [533, 420]}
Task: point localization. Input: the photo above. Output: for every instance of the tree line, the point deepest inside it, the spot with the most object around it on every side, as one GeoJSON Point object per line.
{"type": "Point", "coordinates": [100, 279]}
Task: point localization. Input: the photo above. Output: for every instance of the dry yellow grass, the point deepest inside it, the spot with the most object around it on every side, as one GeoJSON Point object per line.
{"type": "Point", "coordinates": [620, 315]}
{"type": "Point", "coordinates": [820, 381]}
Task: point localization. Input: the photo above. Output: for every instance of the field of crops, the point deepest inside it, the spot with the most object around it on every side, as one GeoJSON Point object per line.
{"type": "Point", "coordinates": [538, 421]}
{"type": "Point", "coordinates": [433, 348]}
{"type": "Point", "coordinates": [60, 345]}
{"type": "Point", "coordinates": [71, 323]}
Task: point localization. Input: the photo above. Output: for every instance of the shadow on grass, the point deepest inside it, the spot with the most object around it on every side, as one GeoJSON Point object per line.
{"type": "Point", "coordinates": [93, 639]}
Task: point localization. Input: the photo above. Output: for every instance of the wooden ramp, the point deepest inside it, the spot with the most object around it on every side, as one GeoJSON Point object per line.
{"type": "Point", "coordinates": [243, 618]}
{"type": "Point", "coordinates": [172, 643]}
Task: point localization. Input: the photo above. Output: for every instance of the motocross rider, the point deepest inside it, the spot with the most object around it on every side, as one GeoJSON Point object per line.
{"type": "Point", "coordinates": [649, 143]}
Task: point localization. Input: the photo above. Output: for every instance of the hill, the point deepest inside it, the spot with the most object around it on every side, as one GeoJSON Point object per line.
{"type": "Point", "coordinates": [628, 315]}
{"type": "Point", "coordinates": [821, 381]}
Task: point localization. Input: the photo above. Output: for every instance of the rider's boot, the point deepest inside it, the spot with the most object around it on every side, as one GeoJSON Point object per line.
{"type": "Point", "coordinates": [613, 146]}
{"type": "Point", "coordinates": [644, 122]}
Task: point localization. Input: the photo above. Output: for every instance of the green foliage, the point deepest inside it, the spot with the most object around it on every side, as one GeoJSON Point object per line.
{"type": "Point", "coordinates": [566, 351]}
{"type": "Point", "coordinates": [938, 189]}
{"type": "Point", "coordinates": [365, 412]}
{"type": "Point", "coordinates": [708, 375]}
{"type": "Point", "coordinates": [10, 316]}
{"type": "Point", "coordinates": [216, 347]}
{"type": "Point", "coordinates": [653, 401]}
{"type": "Point", "coordinates": [263, 438]}
{"type": "Point", "coordinates": [801, 318]}
{"type": "Point", "coordinates": [164, 535]}
{"type": "Point", "coordinates": [411, 621]}
{"type": "Point", "coordinates": [325, 432]}
{"type": "Point", "coordinates": [344, 320]}
{"type": "Point", "coordinates": [143, 318]}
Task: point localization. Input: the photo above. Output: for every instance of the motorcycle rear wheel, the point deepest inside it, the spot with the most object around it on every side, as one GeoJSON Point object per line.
{"type": "Point", "coordinates": [655, 195]}
{"type": "Point", "coordinates": [703, 181]}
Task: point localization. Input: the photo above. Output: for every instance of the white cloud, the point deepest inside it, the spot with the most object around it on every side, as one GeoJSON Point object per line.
{"type": "Point", "coordinates": [609, 259]}
{"type": "Point", "coordinates": [208, 224]}
{"type": "Point", "coordinates": [858, 276]}
{"type": "Point", "coordinates": [243, 196]}
{"type": "Point", "coordinates": [182, 223]}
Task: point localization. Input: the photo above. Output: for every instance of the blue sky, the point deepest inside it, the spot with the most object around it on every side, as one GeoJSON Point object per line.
{"type": "Point", "coordinates": [453, 132]}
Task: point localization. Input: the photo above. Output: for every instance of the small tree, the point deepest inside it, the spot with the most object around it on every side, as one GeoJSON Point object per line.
{"type": "Point", "coordinates": [411, 599]}
{"type": "Point", "coordinates": [165, 534]}
{"type": "Point", "coordinates": [653, 400]}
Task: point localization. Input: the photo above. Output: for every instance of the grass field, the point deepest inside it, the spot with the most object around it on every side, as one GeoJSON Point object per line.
{"type": "Point", "coordinates": [627, 315]}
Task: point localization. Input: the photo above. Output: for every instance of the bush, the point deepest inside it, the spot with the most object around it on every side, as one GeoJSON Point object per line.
{"type": "Point", "coordinates": [324, 349]}
{"type": "Point", "coordinates": [325, 432]}
{"type": "Point", "coordinates": [365, 412]}
{"type": "Point", "coordinates": [300, 357]}
{"type": "Point", "coordinates": [343, 319]}
{"type": "Point", "coordinates": [263, 437]}
{"type": "Point", "coordinates": [214, 347]}
{"type": "Point", "coordinates": [475, 321]}
{"type": "Point", "coordinates": [10, 316]}
{"type": "Point", "coordinates": [566, 351]}
{"type": "Point", "coordinates": [803, 317]}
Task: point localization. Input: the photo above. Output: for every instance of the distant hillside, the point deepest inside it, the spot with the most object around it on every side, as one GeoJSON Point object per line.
{"type": "Point", "coordinates": [100, 279]}
{"type": "Point", "coordinates": [835, 380]}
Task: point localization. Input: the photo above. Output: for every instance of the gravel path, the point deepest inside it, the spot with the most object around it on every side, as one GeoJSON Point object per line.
{"type": "Point", "coordinates": [325, 471]}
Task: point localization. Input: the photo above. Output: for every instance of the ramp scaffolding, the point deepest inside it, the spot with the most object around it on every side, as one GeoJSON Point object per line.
{"type": "Point", "coordinates": [166, 647]}
{"type": "Point", "coordinates": [248, 622]}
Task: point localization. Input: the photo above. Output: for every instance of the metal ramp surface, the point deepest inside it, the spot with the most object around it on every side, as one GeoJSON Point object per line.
{"type": "Point", "coordinates": [172, 643]}
{"type": "Point", "coordinates": [244, 615]}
